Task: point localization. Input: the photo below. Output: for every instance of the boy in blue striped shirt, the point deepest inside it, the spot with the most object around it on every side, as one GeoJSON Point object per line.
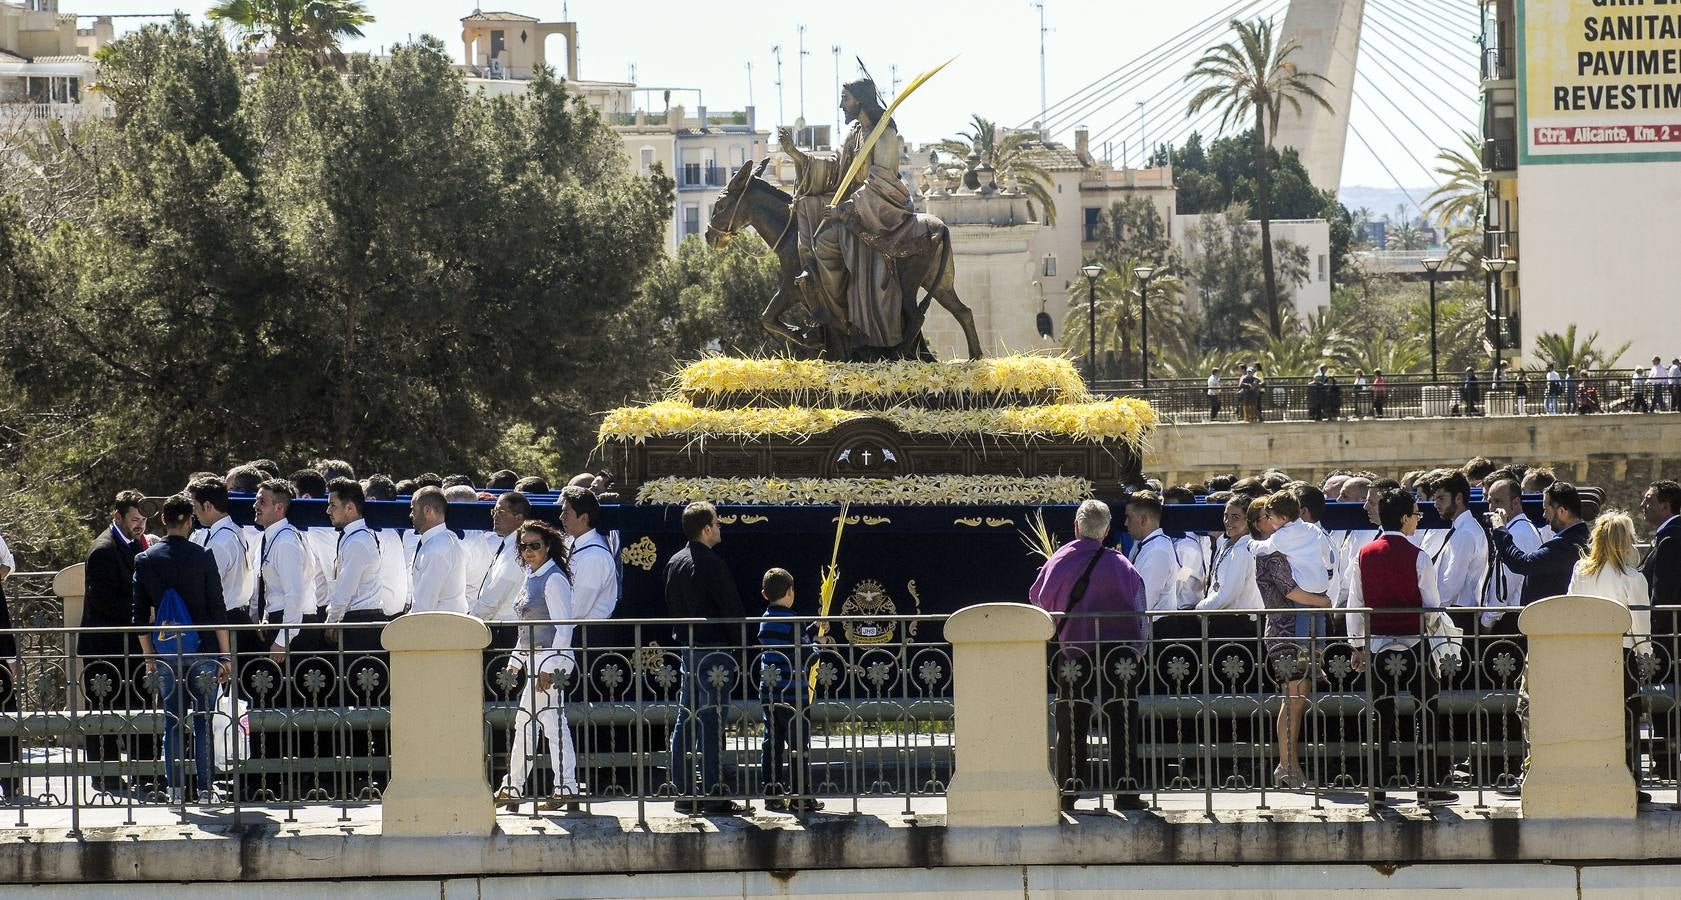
{"type": "Point", "coordinates": [782, 690]}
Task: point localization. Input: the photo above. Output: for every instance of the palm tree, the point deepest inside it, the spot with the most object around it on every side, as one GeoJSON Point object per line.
{"type": "Point", "coordinates": [1118, 314]}
{"type": "Point", "coordinates": [1562, 351]}
{"type": "Point", "coordinates": [1380, 352]}
{"type": "Point", "coordinates": [1457, 203]}
{"type": "Point", "coordinates": [1254, 75]}
{"type": "Point", "coordinates": [1405, 236]}
{"type": "Point", "coordinates": [1007, 152]}
{"type": "Point", "coordinates": [313, 26]}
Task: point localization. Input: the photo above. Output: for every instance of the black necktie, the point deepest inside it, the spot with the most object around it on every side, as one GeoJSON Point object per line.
{"type": "Point", "coordinates": [262, 563]}
{"type": "Point", "coordinates": [500, 546]}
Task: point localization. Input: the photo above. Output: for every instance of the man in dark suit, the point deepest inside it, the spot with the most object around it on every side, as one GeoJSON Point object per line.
{"type": "Point", "coordinates": [111, 661]}
{"type": "Point", "coordinates": [1661, 506]}
{"type": "Point", "coordinates": [698, 584]}
{"type": "Point", "coordinates": [1546, 572]}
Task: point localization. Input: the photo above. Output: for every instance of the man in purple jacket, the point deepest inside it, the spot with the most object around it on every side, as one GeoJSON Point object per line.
{"type": "Point", "coordinates": [1098, 659]}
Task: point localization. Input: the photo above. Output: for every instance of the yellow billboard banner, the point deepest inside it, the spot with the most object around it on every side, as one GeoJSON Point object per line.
{"type": "Point", "coordinates": [1600, 80]}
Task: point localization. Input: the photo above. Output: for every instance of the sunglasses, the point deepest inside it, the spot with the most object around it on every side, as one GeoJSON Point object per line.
{"type": "Point", "coordinates": [531, 545]}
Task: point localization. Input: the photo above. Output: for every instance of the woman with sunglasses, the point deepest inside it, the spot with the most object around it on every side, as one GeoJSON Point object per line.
{"type": "Point", "coordinates": [546, 651]}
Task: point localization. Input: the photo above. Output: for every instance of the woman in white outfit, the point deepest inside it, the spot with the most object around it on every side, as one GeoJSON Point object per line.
{"type": "Point", "coordinates": [1611, 570]}
{"type": "Point", "coordinates": [546, 651]}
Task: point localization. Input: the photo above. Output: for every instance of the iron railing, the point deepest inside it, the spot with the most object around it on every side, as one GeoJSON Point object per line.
{"type": "Point", "coordinates": [1185, 401]}
{"type": "Point", "coordinates": [1190, 710]}
{"type": "Point", "coordinates": [1196, 708]}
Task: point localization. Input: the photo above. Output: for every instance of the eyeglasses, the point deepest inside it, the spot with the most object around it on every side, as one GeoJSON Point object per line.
{"type": "Point", "coordinates": [531, 545]}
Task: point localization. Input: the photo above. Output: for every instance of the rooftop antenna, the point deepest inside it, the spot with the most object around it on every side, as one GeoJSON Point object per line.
{"type": "Point", "coordinates": [776, 51]}
{"type": "Point", "coordinates": [633, 73]}
{"type": "Point", "coordinates": [1044, 108]}
{"type": "Point", "coordinates": [803, 55]}
{"type": "Point", "coordinates": [893, 73]}
{"type": "Point", "coordinates": [749, 82]}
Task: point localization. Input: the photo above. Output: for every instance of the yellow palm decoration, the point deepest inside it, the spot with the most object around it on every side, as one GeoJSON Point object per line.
{"type": "Point", "coordinates": [881, 125]}
{"type": "Point", "coordinates": [826, 590]}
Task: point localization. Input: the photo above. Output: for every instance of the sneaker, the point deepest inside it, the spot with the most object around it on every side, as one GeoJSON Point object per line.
{"type": "Point", "coordinates": [724, 808]}
{"type": "Point", "coordinates": [776, 804]}
{"type": "Point", "coordinates": [561, 799]}
{"type": "Point", "coordinates": [508, 798]}
{"type": "Point", "coordinates": [1513, 789]}
{"type": "Point", "coordinates": [1437, 798]}
{"type": "Point", "coordinates": [1130, 801]}
{"type": "Point", "coordinates": [803, 807]}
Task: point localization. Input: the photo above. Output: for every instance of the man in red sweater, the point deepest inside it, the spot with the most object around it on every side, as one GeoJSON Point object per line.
{"type": "Point", "coordinates": [1395, 581]}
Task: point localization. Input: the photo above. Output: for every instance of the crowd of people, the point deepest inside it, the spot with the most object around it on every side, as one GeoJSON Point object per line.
{"type": "Point", "coordinates": [1399, 598]}
{"type": "Point", "coordinates": [1274, 577]}
{"type": "Point", "coordinates": [206, 571]}
{"type": "Point", "coordinates": [1577, 389]}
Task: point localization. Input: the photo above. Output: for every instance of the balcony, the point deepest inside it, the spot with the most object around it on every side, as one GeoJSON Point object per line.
{"type": "Point", "coordinates": [1500, 155]}
{"type": "Point", "coordinates": [1498, 64]}
{"type": "Point", "coordinates": [694, 175]}
{"type": "Point", "coordinates": [48, 112]}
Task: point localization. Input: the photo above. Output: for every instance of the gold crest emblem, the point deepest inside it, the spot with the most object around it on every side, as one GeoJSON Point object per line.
{"type": "Point", "coordinates": [869, 598]}
{"type": "Point", "coordinates": [641, 554]}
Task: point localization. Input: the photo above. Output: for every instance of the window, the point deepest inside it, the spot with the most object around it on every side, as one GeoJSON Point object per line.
{"type": "Point", "coordinates": [691, 219]}
{"type": "Point", "coordinates": [1050, 266]}
{"type": "Point", "coordinates": [498, 41]}
{"type": "Point", "coordinates": [647, 159]}
{"type": "Point", "coordinates": [1321, 267]}
{"type": "Point", "coordinates": [1093, 216]}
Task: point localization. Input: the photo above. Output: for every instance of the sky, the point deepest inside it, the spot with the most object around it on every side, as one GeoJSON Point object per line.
{"type": "Point", "coordinates": [683, 44]}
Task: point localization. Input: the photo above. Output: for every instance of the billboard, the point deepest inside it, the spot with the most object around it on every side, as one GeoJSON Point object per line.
{"type": "Point", "coordinates": [1598, 81]}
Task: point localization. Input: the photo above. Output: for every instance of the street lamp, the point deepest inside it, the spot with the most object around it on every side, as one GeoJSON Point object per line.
{"type": "Point", "coordinates": [1043, 320]}
{"type": "Point", "coordinates": [1143, 273]}
{"type": "Point", "coordinates": [1495, 267]}
{"type": "Point", "coordinates": [1091, 271]}
{"type": "Point", "coordinates": [1431, 264]}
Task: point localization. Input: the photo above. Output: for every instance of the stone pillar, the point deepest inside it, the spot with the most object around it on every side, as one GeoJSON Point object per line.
{"type": "Point", "coordinates": [1578, 755]}
{"type": "Point", "coordinates": [438, 782]}
{"type": "Point", "coordinates": [70, 584]}
{"type": "Point", "coordinates": [1002, 774]}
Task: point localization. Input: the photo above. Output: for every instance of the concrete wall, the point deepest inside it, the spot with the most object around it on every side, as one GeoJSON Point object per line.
{"type": "Point", "coordinates": [1309, 882]}
{"type": "Point", "coordinates": [1620, 453]}
{"type": "Point", "coordinates": [1597, 250]}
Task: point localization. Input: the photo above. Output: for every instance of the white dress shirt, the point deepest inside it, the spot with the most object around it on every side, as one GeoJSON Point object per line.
{"type": "Point", "coordinates": [323, 542]}
{"type": "Point", "coordinates": [393, 570]}
{"type": "Point", "coordinates": [595, 577]}
{"type": "Point", "coordinates": [285, 572]}
{"type": "Point", "coordinates": [356, 585]}
{"type": "Point", "coordinates": [1360, 625]}
{"type": "Point", "coordinates": [1349, 561]}
{"type": "Point", "coordinates": [1233, 585]}
{"type": "Point", "coordinates": [502, 583]}
{"type": "Point", "coordinates": [226, 543]}
{"type": "Point", "coordinates": [1157, 562]}
{"type": "Point", "coordinates": [1505, 587]}
{"type": "Point", "coordinates": [1462, 562]}
{"type": "Point", "coordinates": [6, 560]}
{"type": "Point", "coordinates": [440, 574]}
{"type": "Point", "coordinates": [1193, 566]}
{"type": "Point", "coordinates": [1333, 566]}
{"type": "Point", "coordinates": [476, 549]}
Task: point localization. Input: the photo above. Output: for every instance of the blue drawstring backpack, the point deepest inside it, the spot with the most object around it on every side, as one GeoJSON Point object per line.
{"type": "Point", "coordinates": [176, 635]}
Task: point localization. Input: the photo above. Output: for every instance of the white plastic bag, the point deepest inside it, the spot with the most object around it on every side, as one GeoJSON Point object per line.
{"type": "Point", "coordinates": [233, 731]}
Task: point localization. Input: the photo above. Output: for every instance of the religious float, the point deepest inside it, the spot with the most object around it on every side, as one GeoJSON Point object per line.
{"type": "Point", "coordinates": [947, 472]}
